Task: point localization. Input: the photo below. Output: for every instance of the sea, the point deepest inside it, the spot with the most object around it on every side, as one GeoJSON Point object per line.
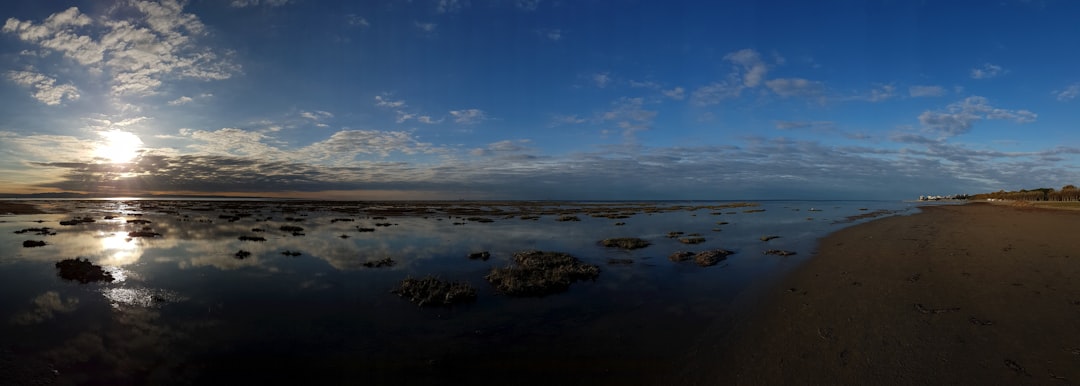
{"type": "Point", "coordinates": [186, 308]}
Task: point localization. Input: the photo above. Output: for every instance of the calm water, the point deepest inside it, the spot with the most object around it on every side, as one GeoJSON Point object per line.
{"type": "Point", "coordinates": [184, 309]}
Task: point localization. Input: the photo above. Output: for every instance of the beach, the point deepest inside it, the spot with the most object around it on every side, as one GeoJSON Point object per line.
{"type": "Point", "coordinates": [964, 294]}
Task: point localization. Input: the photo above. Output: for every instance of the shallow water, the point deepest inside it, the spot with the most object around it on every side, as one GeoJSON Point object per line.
{"type": "Point", "coordinates": [184, 309]}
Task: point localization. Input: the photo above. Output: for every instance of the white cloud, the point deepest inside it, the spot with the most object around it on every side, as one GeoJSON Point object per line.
{"type": "Point", "coordinates": [677, 93]}
{"type": "Point", "coordinates": [748, 71]}
{"type": "Point", "coordinates": [180, 101]}
{"type": "Point", "coordinates": [428, 120]}
{"type": "Point", "coordinates": [1069, 93]}
{"type": "Point", "coordinates": [567, 120]}
{"type": "Point", "coordinates": [753, 68]}
{"type": "Point", "coordinates": [445, 6]}
{"type": "Point", "coordinates": [348, 143]}
{"type": "Point", "coordinates": [553, 34]}
{"type": "Point", "coordinates": [153, 41]}
{"type": "Point", "coordinates": [881, 93]}
{"type": "Point", "coordinates": [926, 91]}
{"type": "Point", "coordinates": [44, 88]}
{"type": "Point", "coordinates": [959, 117]}
{"type": "Point", "coordinates": [796, 87]}
{"type": "Point", "coordinates": [384, 101]}
{"type": "Point", "coordinates": [356, 21]}
{"type": "Point", "coordinates": [425, 27]}
{"type": "Point", "coordinates": [501, 147]}
{"type": "Point", "coordinates": [630, 115]}
{"type": "Point", "coordinates": [468, 116]}
{"type": "Point", "coordinates": [255, 3]}
{"type": "Point", "coordinates": [601, 79]}
{"type": "Point", "coordinates": [987, 71]}
{"type": "Point", "coordinates": [316, 115]}
{"type": "Point", "coordinates": [716, 92]}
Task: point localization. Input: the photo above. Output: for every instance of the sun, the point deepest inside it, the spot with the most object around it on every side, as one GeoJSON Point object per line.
{"type": "Point", "coordinates": [118, 146]}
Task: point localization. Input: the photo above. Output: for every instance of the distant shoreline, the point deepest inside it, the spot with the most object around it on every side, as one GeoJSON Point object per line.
{"type": "Point", "coordinates": [964, 294]}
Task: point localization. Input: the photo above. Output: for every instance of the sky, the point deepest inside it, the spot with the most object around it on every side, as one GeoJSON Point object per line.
{"type": "Point", "coordinates": [539, 99]}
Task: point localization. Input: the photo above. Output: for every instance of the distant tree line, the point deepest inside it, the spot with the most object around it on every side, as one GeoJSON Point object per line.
{"type": "Point", "coordinates": [1067, 193]}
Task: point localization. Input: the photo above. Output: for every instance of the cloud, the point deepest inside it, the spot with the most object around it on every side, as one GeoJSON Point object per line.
{"type": "Point", "coordinates": [796, 87]}
{"type": "Point", "coordinates": [384, 101]}
{"type": "Point", "coordinates": [630, 115]}
{"type": "Point", "coordinates": [356, 21]}
{"type": "Point", "coordinates": [752, 67]}
{"type": "Point", "coordinates": [255, 3]}
{"type": "Point", "coordinates": [1069, 93]}
{"type": "Point", "coordinates": [317, 115]}
{"type": "Point", "coordinates": [959, 117]}
{"type": "Point", "coordinates": [527, 5]}
{"type": "Point", "coordinates": [501, 148]}
{"type": "Point", "coordinates": [46, 306]}
{"type": "Point", "coordinates": [553, 34]}
{"type": "Point", "coordinates": [748, 71]}
{"type": "Point", "coordinates": [180, 101]}
{"type": "Point", "coordinates": [793, 125]}
{"type": "Point", "coordinates": [425, 27]}
{"type": "Point", "coordinates": [468, 116]}
{"type": "Point", "coordinates": [601, 79]}
{"type": "Point", "coordinates": [45, 88]}
{"type": "Point", "coordinates": [987, 71]}
{"type": "Point", "coordinates": [715, 92]}
{"type": "Point", "coordinates": [152, 42]}
{"type": "Point", "coordinates": [557, 120]}
{"type": "Point", "coordinates": [881, 93]}
{"type": "Point", "coordinates": [677, 93]}
{"type": "Point", "coordinates": [446, 6]}
{"type": "Point", "coordinates": [926, 91]}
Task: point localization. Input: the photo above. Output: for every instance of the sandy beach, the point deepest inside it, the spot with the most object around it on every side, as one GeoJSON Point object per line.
{"type": "Point", "coordinates": [967, 294]}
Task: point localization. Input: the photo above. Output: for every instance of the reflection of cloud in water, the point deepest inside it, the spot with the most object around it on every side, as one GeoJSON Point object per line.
{"type": "Point", "coordinates": [46, 306]}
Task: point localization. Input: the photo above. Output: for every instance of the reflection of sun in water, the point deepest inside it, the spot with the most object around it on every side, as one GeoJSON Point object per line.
{"type": "Point", "coordinates": [118, 146]}
{"type": "Point", "coordinates": [119, 250]}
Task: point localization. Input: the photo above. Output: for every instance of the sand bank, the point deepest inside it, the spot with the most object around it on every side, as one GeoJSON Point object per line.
{"type": "Point", "coordinates": [17, 208]}
{"type": "Point", "coordinates": [970, 294]}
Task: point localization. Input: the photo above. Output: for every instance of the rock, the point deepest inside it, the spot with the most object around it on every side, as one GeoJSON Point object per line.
{"type": "Point", "coordinates": [779, 252]}
{"type": "Point", "coordinates": [625, 243]}
{"type": "Point", "coordinates": [252, 238]}
{"type": "Point", "coordinates": [692, 240]}
{"type": "Point", "coordinates": [82, 271]}
{"type": "Point", "coordinates": [33, 244]}
{"type": "Point", "coordinates": [242, 254]}
{"type": "Point", "coordinates": [770, 237]}
{"type": "Point", "coordinates": [681, 256]}
{"type": "Point", "coordinates": [711, 257]}
{"type": "Point", "coordinates": [539, 273]}
{"type": "Point", "coordinates": [480, 255]}
{"type": "Point", "coordinates": [565, 218]}
{"type": "Point", "coordinates": [430, 291]}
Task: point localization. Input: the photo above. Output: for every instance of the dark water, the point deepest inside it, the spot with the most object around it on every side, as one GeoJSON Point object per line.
{"type": "Point", "coordinates": [185, 310]}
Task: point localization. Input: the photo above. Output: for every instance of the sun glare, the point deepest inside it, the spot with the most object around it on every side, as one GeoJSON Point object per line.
{"type": "Point", "coordinates": [118, 146]}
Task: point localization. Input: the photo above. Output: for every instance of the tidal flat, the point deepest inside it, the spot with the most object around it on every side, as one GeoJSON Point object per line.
{"type": "Point", "coordinates": [253, 291]}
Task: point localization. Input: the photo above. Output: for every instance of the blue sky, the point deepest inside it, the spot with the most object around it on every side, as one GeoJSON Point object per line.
{"type": "Point", "coordinates": [539, 99]}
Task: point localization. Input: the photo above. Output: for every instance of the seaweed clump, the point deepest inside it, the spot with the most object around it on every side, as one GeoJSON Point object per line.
{"type": "Point", "coordinates": [430, 291]}
{"type": "Point", "coordinates": [82, 270]}
{"type": "Point", "coordinates": [539, 273]}
{"type": "Point", "coordinates": [625, 243]}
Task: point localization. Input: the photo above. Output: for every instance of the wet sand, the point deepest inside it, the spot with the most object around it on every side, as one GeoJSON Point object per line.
{"type": "Point", "coordinates": [17, 208]}
{"type": "Point", "coordinates": [967, 294]}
